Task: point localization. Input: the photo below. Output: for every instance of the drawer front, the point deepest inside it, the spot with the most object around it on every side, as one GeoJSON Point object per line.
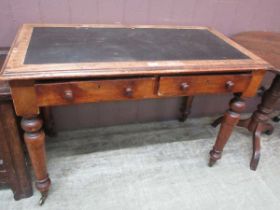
{"type": "Point", "coordinates": [94, 91]}
{"type": "Point", "coordinates": [192, 85]}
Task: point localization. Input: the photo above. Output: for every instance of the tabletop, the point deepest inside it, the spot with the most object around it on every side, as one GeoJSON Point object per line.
{"type": "Point", "coordinates": [59, 51]}
{"type": "Point", "coordinates": [264, 44]}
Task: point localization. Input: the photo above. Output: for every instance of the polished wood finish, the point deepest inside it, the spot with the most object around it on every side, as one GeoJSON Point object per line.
{"type": "Point", "coordinates": [94, 91]}
{"type": "Point", "coordinates": [254, 84]}
{"type": "Point", "coordinates": [49, 84]}
{"type": "Point", "coordinates": [258, 122]}
{"type": "Point", "coordinates": [202, 84]}
{"type": "Point", "coordinates": [34, 138]}
{"type": "Point", "coordinates": [230, 119]}
{"type": "Point", "coordinates": [24, 97]}
{"type": "Point", "coordinates": [266, 45]}
{"type": "Point", "coordinates": [124, 89]}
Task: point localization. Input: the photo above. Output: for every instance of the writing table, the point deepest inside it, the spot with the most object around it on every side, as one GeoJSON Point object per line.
{"type": "Point", "coordinates": [53, 65]}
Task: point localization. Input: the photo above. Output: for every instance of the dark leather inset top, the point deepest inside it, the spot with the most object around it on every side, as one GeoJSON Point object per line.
{"type": "Point", "coordinates": [76, 45]}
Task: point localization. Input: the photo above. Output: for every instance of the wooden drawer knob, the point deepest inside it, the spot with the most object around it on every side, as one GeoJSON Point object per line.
{"type": "Point", "coordinates": [68, 94]}
{"type": "Point", "coordinates": [128, 92]}
{"type": "Point", "coordinates": [184, 86]}
{"type": "Point", "coordinates": [229, 85]}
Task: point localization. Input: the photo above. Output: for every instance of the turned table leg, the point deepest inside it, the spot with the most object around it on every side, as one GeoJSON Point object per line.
{"type": "Point", "coordinates": [186, 108]}
{"type": "Point", "coordinates": [34, 138]}
{"type": "Point", "coordinates": [230, 119]}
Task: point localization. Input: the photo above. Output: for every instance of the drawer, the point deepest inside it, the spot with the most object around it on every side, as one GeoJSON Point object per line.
{"type": "Point", "coordinates": [94, 91]}
{"type": "Point", "coordinates": [200, 84]}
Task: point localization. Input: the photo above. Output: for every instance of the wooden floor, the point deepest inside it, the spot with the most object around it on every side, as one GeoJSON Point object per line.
{"type": "Point", "coordinates": [156, 166]}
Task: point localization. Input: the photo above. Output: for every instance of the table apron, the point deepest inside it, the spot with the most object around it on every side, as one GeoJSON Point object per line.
{"type": "Point", "coordinates": [75, 92]}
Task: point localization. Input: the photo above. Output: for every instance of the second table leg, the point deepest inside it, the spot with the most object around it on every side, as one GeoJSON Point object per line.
{"type": "Point", "coordinates": [186, 108]}
{"type": "Point", "coordinates": [230, 119]}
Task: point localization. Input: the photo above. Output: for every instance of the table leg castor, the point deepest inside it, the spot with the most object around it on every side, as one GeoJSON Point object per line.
{"type": "Point", "coordinates": [43, 198]}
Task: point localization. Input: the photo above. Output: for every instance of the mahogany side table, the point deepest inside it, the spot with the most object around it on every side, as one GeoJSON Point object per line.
{"type": "Point", "coordinates": [267, 46]}
{"type": "Point", "coordinates": [53, 65]}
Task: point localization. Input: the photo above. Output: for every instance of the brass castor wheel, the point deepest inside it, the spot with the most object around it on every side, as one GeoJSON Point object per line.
{"type": "Point", "coordinates": [43, 198]}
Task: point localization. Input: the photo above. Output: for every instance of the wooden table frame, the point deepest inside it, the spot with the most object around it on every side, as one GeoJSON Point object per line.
{"type": "Point", "coordinates": [35, 86]}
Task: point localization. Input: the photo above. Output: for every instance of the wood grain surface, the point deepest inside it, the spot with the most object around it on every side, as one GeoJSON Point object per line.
{"type": "Point", "coordinates": [264, 44]}
{"type": "Point", "coordinates": [94, 91]}
{"type": "Point", "coordinates": [203, 84]}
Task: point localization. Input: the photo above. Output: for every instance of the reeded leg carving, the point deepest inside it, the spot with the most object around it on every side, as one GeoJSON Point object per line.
{"type": "Point", "coordinates": [186, 108]}
{"type": "Point", "coordinates": [34, 138]}
{"type": "Point", "coordinates": [230, 119]}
